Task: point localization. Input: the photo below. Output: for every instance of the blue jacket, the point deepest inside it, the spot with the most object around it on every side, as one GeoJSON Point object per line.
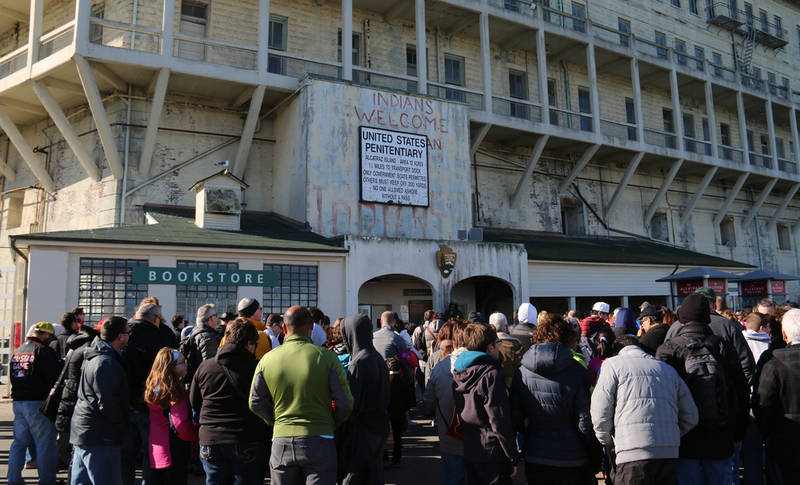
{"type": "Point", "coordinates": [550, 405]}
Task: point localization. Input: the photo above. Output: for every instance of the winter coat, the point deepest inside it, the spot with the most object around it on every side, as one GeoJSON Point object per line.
{"type": "Point", "coordinates": [222, 407]}
{"type": "Point", "coordinates": [731, 333]}
{"type": "Point", "coordinates": [510, 356]}
{"type": "Point", "coordinates": [34, 369]}
{"type": "Point", "coordinates": [264, 342]}
{"type": "Point", "coordinates": [72, 377]}
{"type": "Point", "coordinates": [207, 340]}
{"type": "Point", "coordinates": [388, 343]}
{"type": "Point", "coordinates": [144, 343]}
{"type": "Point", "coordinates": [776, 403]}
{"type": "Point", "coordinates": [589, 328]}
{"type": "Point", "coordinates": [360, 439]}
{"type": "Point", "coordinates": [641, 407]}
{"type": "Point", "coordinates": [711, 440]}
{"type": "Point", "coordinates": [60, 343]}
{"type": "Point", "coordinates": [167, 425]}
{"type": "Point", "coordinates": [757, 341]}
{"type": "Point", "coordinates": [101, 413]}
{"type": "Point", "coordinates": [653, 338]}
{"type": "Point", "coordinates": [523, 333]}
{"type": "Point", "coordinates": [550, 405]}
{"type": "Point", "coordinates": [438, 400]}
{"type": "Point", "coordinates": [481, 402]}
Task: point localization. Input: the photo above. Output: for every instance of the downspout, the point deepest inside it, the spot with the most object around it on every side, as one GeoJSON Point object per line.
{"type": "Point", "coordinates": [125, 160]}
{"type": "Point", "coordinates": [567, 102]}
{"type": "Point", "coordinates": [758, 243]}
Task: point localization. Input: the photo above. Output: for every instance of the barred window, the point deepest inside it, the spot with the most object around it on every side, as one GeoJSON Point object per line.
{"type": "Point", "coordinates": [298, 286]}
{"type": "Point", "coordinates": [106, 289]}
{"type": "Point", "coordinates": [191, 297]}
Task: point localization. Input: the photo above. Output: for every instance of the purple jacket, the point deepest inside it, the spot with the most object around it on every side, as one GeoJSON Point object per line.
{"type": "Point", "coordinates": [181, 417]}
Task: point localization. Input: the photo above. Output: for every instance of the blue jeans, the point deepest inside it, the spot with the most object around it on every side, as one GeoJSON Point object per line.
{"type": "Point", "coordinates": [452, 469]}
{"type": "Point", "coordinates": [234, 464]}
{"type": "Point", "coordinates": [32, 428]}
{"type": "Point", "coordinates": [136, 444]}
{"type": "Point", "coordinates": [97, 465]}
{"type": "Point", "coordinates": [704, 472]}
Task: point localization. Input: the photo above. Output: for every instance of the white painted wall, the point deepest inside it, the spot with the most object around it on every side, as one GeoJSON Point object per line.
{"type": "Point", "coordinates": [49, 300]}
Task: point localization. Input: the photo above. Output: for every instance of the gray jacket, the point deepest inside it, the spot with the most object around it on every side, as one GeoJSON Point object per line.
{"type": "Point", "coordinates": [641, 406]}
{"type": "Point", "coordinates": [388, 343]}
{"type": "Point", "coordinates": [438, 400]}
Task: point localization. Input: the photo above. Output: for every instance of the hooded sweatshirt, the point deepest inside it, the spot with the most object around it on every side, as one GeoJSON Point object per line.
{"type": "Point", "coordinates": [757, 341]}
{"type": "Point", "coordinates": [625, 322]}
{"type": "Point", "coordinates": [438, 400]}
{"type": "Point", "coordinates": [360, 439]}
{"type": "Point", "coordinates": [482, 406]}
{"type": "Point", "coordinates": [552, 397]}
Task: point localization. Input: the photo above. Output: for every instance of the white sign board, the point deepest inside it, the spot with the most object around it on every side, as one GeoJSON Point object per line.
{"type": "Point", "coordinates": [394, 167]}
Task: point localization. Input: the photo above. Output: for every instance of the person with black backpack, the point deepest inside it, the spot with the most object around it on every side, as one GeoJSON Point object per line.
{"type": "Point", "coordinates": [712, 371]}
{"type": "Point", "coordinates": [202, 343]}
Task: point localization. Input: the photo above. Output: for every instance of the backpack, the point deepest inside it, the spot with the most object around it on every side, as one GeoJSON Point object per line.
{"type": "Point", "coordinates": [191, 353]}
{"type": "Point", "coordinates": [704, 374]}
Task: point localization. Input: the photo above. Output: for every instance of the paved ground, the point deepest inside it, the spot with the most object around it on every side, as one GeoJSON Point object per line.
{"type": "Point", "coordinates": [420, 461]}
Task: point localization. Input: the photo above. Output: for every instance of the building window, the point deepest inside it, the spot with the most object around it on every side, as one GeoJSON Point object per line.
{"type": "Point", "coordinates": [630, 117]}
{"type": "Point", "coordinates": [784, 237]}
{"type": "Point", "coordinates": [764, 145]}
{"type": "Point", "coordinates": [585, 106]}
{"type": "Point", "coordinates": [14, 204]}
{"type": "Point", "coordinates": [298, 286]}
{"type": "Point", "coordinates": [194, 17]}
{"type": "Point", "coordinates": [659, 228]}
{"type": "Point", "coordinates": [661, 40]}
{"type": "Point", "coordinates": [748, 15]}
{"type": "Point", "coordinates": [454, 74]}
{"type": "Point", "coordinates": [706, 137]}
{"type": "Point", "coordinates": [669, 127]}
{"type": "Point", "coordinates": [278, 31]}
{"type": "Point", "coordinates": [95, 30]}
{"type": "Point", "coordinates": [512, 5]}
{"type": "Point", "coordinates": [191, 297]}
{"type": "Point", "coordinates": [772, 82]}
{"type": "Point", "coordinates": [624, 27]}
{"type": "Point", "coordinates": [778, 27]}
{"type": "Point", "coordinates": [717, 57]}
{"type": "Point", "coordinates": [518, 88]}
{"type": "Point", "coordinates": [411, 67]}
{"type": "Point", "coordinates": [780, 149]}
{"type": "Point", "coordinates": [105, 288]}
{"type": "Point", "coordinates": [693, 6]}
{"type": "Point", "coordinates": [727, 232]}
{"type": "Point", "coordinates": [762, 19]}
{"type": "Point", "coordinates": [680, 49]}
{"type": "Point", "coordinates": [579, 11]}
{"type": "Point", "coordinates": [688, 133]}
{"type": "Point", "coordinates": [356, 48]}
{"type": "Point", "coordinates": [699, 58]}
{"type": "Point", "coordinates": [572, 223]}
{"type": "Point", "coordinates": [675, 3]}
{"type": "Point", "coordinates": [552, 100]}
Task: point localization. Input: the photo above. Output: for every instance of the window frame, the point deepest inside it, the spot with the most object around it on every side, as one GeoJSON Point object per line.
{"type": "Point", "coordinates": [91, 291]}
{"type": "Point", "coordinates": [294, 288]}
{"type": "Point", "coordinates": [188, 298]}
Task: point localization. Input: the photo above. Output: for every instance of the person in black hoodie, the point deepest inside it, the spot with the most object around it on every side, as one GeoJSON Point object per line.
{"type": "Point", "coordinates": [233, 441]}
{"type": "Point", "coordinates": [149, 334]}
{"type": "Point", "coordinates": [100, 420]}
{"type": "Point", "coordinates": [77, 345]}
{"type": "Point", "coordinates": [776, 400]}
{"type": "Point", "coordinates": [68, 322]}
{"type": "Point", "coordinates": [490, 452]}
{"type": "Point", "coordinates": [360, 440]}
{"type": "Point", "coordinates": [711, 369]}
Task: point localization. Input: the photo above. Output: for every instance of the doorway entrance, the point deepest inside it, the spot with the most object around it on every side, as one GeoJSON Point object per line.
{"type": "Point", "coordinates": [406, 295]}
{"type": "Point", "coordinates": [485, 294]}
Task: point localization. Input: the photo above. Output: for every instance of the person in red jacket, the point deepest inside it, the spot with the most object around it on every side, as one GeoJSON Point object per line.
{"type": "Point", "coordinates": [168, 403]}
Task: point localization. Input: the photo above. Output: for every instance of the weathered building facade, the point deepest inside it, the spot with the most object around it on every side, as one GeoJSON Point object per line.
{"type": "Point", "coordinates": [575, 150]}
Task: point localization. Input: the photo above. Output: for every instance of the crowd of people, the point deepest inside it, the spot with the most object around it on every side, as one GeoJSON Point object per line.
{"type": "Point", "coordinates": [701, 395]}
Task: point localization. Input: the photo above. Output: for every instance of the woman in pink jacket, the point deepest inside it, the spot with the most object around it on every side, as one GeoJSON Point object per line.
{"type": "Point", "coordinates": [171, 426]}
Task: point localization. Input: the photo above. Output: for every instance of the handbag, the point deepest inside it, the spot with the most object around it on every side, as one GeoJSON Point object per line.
{"type": "Point", "coordinates": [50, 405]}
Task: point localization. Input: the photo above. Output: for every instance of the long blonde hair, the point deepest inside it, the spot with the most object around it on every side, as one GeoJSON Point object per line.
{"type": "Point", "coordinates": [163, 387]}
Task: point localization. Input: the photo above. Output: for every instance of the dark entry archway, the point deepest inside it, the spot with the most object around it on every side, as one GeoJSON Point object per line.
{"type": "Point", "coordinates": [485, 294]}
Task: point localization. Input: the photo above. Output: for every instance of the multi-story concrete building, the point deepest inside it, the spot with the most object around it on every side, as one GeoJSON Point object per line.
{"type": "Point", "coordinates": [573, 150]}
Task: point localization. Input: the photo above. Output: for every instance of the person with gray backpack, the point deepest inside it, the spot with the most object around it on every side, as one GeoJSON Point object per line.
{"type": "Point", "coordinates": [711, 370]}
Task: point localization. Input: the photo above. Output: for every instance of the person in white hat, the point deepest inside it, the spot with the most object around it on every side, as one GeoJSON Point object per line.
{"type": "Point", "coordinates": [527, 316]}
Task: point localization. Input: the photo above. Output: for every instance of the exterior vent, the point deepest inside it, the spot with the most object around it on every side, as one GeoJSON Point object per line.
{"type": "Point", "coordinates": [218, 204]}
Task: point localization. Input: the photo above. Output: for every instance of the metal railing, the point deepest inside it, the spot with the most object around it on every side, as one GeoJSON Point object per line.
{"type": "Point", "coordinates": [619, 129]}
{"type": "Point", "coordinates": [761, 159]}
{"type": "Point", "coordinates": [696, 145]}
{"type": "Point", "coordinates": [786, 165]}
{"type": "Point", "coordinates": [14, 61]}
{"type": "Point", "coordinates": [517, 108]}
{"type": "Point", "coordinates": [570, 119]}
{"type": "Point", "coordinates": [732, 154]}
{"type": "Point", "coordinates": [382, 79]}
{"type": "Point", "coordinates": [723, 10]}
{"type": "Point", "coordinates": [298, 66]}
{"type": "Point", "coordinates": [652, 49]}
{"type": "Point", "coordinates": [564, 19]}
{"type": "Point", "coordinates": [751, 82]}
{"type": "Point", "coordinates": [518, 6]}
{"type": "Point", "coordinates": [777, 90]}
{"type": "Point", "coordinates": [471, 97]}
{"type": "Point", "coordinates": [611, 35]}
{"type": "Point", "coordinates": [660, 138]}
{"type": "Point", "coordinates": [215, 51]}
{"type": "Point", "coordinates": [124, 36]}
{"type": "Point", "coordinates": [721, 72]}
{"type": "Point", "coordinates": [56, 39]}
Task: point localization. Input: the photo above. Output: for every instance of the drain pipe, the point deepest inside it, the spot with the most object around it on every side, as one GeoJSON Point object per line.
{"type": "Point", "coordinates": [758, 243]}
{"type": "Point", "coordinates": [125, 160]}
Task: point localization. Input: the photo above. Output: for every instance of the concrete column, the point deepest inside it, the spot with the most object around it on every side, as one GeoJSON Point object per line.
{"type": "Point", "coordinates": [83, 10]}
{"type": "Point", "coordinates": [711, 114]}
{"type": "Point", "coordinates": [25, 151]}
{"type": "Point", "coordinates": [541, 67]}
{"type": "Point", "coordinates": [677, 117]}
{"type": "Point", "coordinates": [742, 126]}
{"type": "Point", "coordinates": [651, 210]}
{"type": "Point", "coordinates": [773, 143]}
{"type": "Point", "coordinates": [795, 136]}
{"type": "Point", "coordinates": [347, 40]}
{"type": "Point", "coordinates": [486, 62]}
{"type": "Point", "coordinates": [637, 100]}
{"type": "Point", "coordinates": [593, 89]}
{"type": "Point", "coordinates": [34, 31]}
{"type": "Point", "coordinates": [263, 36]}
{"type": "Point", "coordinates": [167, 27]}
{"type": "Point", "coordinates": [159, 94]}
{"type": "Point", "coordinates": [625, 301]}
{"type": "Point", "coordinates": [422, 47]}
{"type": "Point", "coordinates": [573, 303]}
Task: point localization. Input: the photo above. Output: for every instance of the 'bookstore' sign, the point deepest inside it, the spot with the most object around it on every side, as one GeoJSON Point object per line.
{"type": "Point", "coordinates": [208, 277]}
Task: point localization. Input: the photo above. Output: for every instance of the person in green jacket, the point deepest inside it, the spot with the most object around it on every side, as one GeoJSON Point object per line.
{"type": "Point", "coordinates": [301, 389]}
